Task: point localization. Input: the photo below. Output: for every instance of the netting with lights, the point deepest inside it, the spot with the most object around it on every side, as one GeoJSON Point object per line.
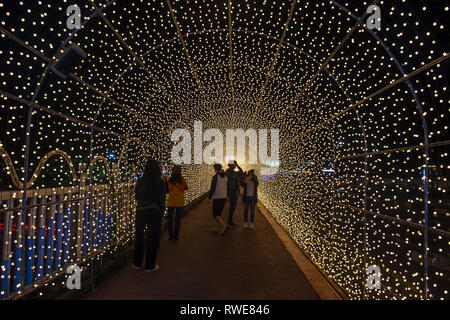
{"type": "Point", "coordinates": [363, 118]}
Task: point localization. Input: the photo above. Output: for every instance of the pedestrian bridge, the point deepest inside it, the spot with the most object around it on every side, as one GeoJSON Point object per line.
{"type": "Point", "coordinates": [357, 192]}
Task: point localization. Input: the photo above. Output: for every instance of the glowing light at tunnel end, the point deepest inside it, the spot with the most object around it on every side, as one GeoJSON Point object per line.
{"type": "Point", "coordinates": [214, 153]}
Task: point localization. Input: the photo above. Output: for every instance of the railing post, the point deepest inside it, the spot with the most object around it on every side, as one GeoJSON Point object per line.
{"type": "Point", "coordinates": [108, 212]}
{"type": "Point", "coordinates": [82, 193]}
{"type": "Point", "coordinates": [6, 252]}
{"type": "Point", "coordinates": [66, 228]}
{"type": "Point", "coordinates": [40, 242]}
{"type": "Point", "coordinates": [96, 216]}
{"type": "Point", "coordinates": [18, 250]}
{"type": "Point", "coordinates": [91, 226]}
{"type": "Point", "coordinates": [31, 240]}
{"type": "Point", "coordinates": [115, 203]}
{"type": "Point", "coordinates": [103, 215]}
{"type": "Point", "coordinates": [50, 237]}
{"type": "Point", "coordinates": [91, 218]}
{"type": "Point", "coordinates": [59, 232]}
{"type": "Point", "coordinates": [118, 202]}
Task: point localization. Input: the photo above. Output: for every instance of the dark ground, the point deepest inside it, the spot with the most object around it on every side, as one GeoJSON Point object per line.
{"type": "Point", "coordinates": [244, 264]}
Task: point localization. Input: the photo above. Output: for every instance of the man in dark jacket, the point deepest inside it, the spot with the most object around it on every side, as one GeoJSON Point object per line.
{"type": "Point", "coordinates": [235, 179]}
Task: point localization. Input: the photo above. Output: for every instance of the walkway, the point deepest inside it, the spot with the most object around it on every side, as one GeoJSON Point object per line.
{"type": "Point", "coordinates": [244, 264]}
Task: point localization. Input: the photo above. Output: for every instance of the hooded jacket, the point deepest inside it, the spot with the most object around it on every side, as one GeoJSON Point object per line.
{"type": "Point", "coordinates": [151, 193]}
{"type": "Point", "coordinates": [235, 178]}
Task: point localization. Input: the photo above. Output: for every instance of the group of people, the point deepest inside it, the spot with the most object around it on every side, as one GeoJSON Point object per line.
{"type": "Point", "coordinates": [226, 185]}
{"type": "Point", "coordinates": [150, 194]}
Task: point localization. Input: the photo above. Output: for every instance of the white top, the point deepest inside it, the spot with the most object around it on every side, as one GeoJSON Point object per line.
{"type": "Point", "coordinates": [250, 188]}
{"type": "Point", "coordinates": [221, 187]}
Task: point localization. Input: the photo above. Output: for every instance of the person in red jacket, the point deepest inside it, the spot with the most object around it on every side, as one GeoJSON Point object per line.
{"type": "Point", "coordinates": [175, 201]}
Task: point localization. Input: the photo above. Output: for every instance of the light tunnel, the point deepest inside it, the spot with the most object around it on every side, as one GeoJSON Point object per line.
{"type": "Point", "coordinates": [362, 114]}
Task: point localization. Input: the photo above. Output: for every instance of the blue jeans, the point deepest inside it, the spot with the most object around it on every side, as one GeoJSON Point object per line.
{"type": "Point", "coordinates": [250, 202]}
{"type": "Point", "coordinates": [233, 195]}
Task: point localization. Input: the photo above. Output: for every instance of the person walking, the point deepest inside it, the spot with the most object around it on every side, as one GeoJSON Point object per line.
{"type": "Point", "coordinates": [150, 193]}
{"type": "Point", "coordinates": [218, 192]}
{"type": "Point", "coordinates": [175, 201]}
{"type": "Point", "coordinates": [250, 197]}
{"type": "Point", "coordinates": [234, 183]}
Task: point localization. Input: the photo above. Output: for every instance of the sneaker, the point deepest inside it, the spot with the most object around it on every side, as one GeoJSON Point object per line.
{"type": "Point", "coordinates": [135, 268]}
{"type": "Point", "coordinates": [245, 225]}
{"type": "Point", "coordinates": [224, 231]}
{"type": "Point", "coordinates": [152, 270]}
{"type": "Point", "coordinates": [251, 225]}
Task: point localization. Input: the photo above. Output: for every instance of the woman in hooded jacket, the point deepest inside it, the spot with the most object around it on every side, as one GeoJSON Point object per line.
{"type": "Point", "coordinates": [150, 195]}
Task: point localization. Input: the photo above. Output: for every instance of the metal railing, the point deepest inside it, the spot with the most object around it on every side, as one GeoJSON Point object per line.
{"type": "Point", "coordinates": [59, 227]}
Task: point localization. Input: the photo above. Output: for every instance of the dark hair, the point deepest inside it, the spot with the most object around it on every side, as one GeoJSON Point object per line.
{"type": "Point", "coordinates": [152, 170]}
{"type": "Point", "coordinates": [176, 177]}
{"type": "Point", "coordinates": [251, 172]}
{"type": "Point", "coordinates": [217, 166]}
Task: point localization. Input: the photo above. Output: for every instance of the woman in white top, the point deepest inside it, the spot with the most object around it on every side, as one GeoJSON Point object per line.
{"type": "Point", "coordinates": [218, 193]}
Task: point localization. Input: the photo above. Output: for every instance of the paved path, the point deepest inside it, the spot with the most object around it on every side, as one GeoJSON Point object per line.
{"type": "Point", "coordinates": [244, 264]}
